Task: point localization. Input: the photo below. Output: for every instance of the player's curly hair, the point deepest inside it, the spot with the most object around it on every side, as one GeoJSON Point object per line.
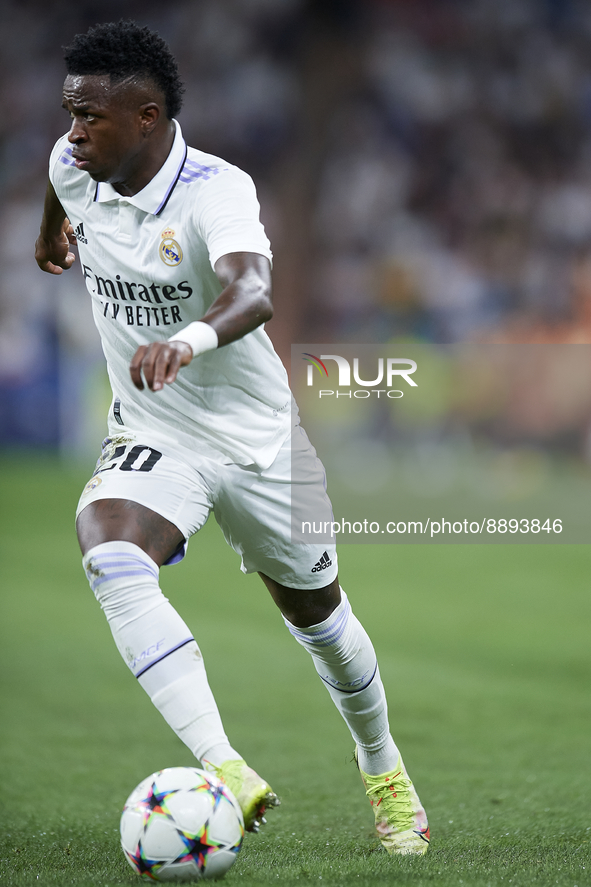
{"type": "Point", "coordinates": [123, 49]}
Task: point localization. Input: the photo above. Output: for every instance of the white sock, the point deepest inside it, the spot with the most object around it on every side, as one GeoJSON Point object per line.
{"type": "Point", "coordinates": [157, 646]}
{"type": "Point", "coordinates": [345, 660]}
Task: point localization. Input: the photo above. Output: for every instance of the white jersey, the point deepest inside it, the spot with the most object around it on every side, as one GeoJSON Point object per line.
{"type": "Point", "coordinates": [147, 261]}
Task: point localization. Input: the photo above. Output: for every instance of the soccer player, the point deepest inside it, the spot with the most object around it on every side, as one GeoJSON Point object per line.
{"type": "Point", "coordinates": [177, 266]}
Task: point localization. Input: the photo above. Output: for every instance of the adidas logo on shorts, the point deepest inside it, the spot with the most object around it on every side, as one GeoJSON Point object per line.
{"type": "Point", "coordinates": [322, 564]}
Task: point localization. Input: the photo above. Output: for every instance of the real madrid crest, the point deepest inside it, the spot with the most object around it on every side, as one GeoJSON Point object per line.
{"type": "Point", "coordinates": [170, 252]}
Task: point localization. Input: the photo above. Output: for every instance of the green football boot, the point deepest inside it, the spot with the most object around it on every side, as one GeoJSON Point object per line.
{"type": "Point", "coordinates": [401, 822]}
{"type": "Point", "coordinates": [253, 794]}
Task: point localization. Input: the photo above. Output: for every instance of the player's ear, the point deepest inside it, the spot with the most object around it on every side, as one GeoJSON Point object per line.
{"type": "Point", "coordinates": [149, 116]}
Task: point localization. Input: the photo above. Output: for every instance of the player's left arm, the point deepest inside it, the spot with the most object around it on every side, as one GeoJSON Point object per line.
{"type": "Point", "coordinates": [245, 302]}
{"type": "Point", "coordinates": [242, 306]}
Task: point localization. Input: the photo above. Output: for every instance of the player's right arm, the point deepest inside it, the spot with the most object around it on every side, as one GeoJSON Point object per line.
{"type": "Point", "coordinates": [52, 247]}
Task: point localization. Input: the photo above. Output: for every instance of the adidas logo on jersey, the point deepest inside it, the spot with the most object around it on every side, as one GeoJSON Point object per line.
{"type": "Point", "coordinates": [79, 233]}
{"type": "Point", "coordinates": [322, 564]}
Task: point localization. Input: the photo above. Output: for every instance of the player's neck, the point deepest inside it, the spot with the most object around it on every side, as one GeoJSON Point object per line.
{"type": "Point", "coordinates": [147, 163]}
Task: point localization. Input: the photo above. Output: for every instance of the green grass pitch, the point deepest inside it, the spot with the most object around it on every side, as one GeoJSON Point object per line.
{"type": "Point", "coordinates": [484, 652]}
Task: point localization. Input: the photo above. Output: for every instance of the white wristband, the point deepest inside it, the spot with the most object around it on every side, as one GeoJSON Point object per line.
{"type": "Point", "coordinates": [199, 336]}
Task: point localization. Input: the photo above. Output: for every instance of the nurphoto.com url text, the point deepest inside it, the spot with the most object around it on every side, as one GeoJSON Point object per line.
{"type": "Point", "coordinates": [436, 527]}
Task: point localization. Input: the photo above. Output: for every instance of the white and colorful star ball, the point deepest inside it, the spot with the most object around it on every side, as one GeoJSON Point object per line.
{"type": "Point", "coordinates": [181, 824]}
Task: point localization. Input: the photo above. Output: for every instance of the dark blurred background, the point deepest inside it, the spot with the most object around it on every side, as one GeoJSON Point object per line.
{"type": "Point", "coordinates": [423, 166]}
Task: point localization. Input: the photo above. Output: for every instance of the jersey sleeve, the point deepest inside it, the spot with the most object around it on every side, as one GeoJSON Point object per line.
{"type": "Point", "coordinates": [61, 166]}
{"type": "Point", "coordinates": [227, 217]}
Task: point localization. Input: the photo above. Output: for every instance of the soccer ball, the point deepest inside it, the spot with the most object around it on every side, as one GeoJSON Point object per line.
{"type": "Point", "coordinates": [181, 824]}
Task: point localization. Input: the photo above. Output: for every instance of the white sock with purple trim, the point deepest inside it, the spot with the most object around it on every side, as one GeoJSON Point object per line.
{"type": "Point", "coordinates": [157, 646]}
{"type": "Point", "coordinates": [345, 660]}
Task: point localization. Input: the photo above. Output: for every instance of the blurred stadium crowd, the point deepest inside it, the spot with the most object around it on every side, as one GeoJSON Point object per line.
{"type": "Point", "coordinates": [424, 170]}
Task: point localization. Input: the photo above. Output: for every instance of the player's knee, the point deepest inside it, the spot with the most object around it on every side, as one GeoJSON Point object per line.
{"type": "Point", "coordinates": [308, 615]}
{"type": "Point", "coordinates": [122, 521]}
{"type": "Point", "coordinates": [304, 607]}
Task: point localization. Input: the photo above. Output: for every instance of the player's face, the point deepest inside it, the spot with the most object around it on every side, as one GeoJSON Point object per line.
{"type": "Point", "coordinates": [108, 131]}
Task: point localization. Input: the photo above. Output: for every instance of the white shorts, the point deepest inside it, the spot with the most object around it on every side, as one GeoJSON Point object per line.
{"type": "Point", "coordinates": [252, 506]}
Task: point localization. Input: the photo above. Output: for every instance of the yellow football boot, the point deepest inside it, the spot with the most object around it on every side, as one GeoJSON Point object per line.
{"type": "Point", "coordinates": [401, 822]}
{"type": "Point", "coordinates": [253, 794]}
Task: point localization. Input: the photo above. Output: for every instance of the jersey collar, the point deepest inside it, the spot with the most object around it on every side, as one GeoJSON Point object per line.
{"type": "Point", "coordinates": [154, 197]}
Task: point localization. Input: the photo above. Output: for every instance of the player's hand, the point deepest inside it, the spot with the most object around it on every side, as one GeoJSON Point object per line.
{"type": "Point", "coordinates": [53, 254]}
{"type": "Point", "coordinates": [160, 363]}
